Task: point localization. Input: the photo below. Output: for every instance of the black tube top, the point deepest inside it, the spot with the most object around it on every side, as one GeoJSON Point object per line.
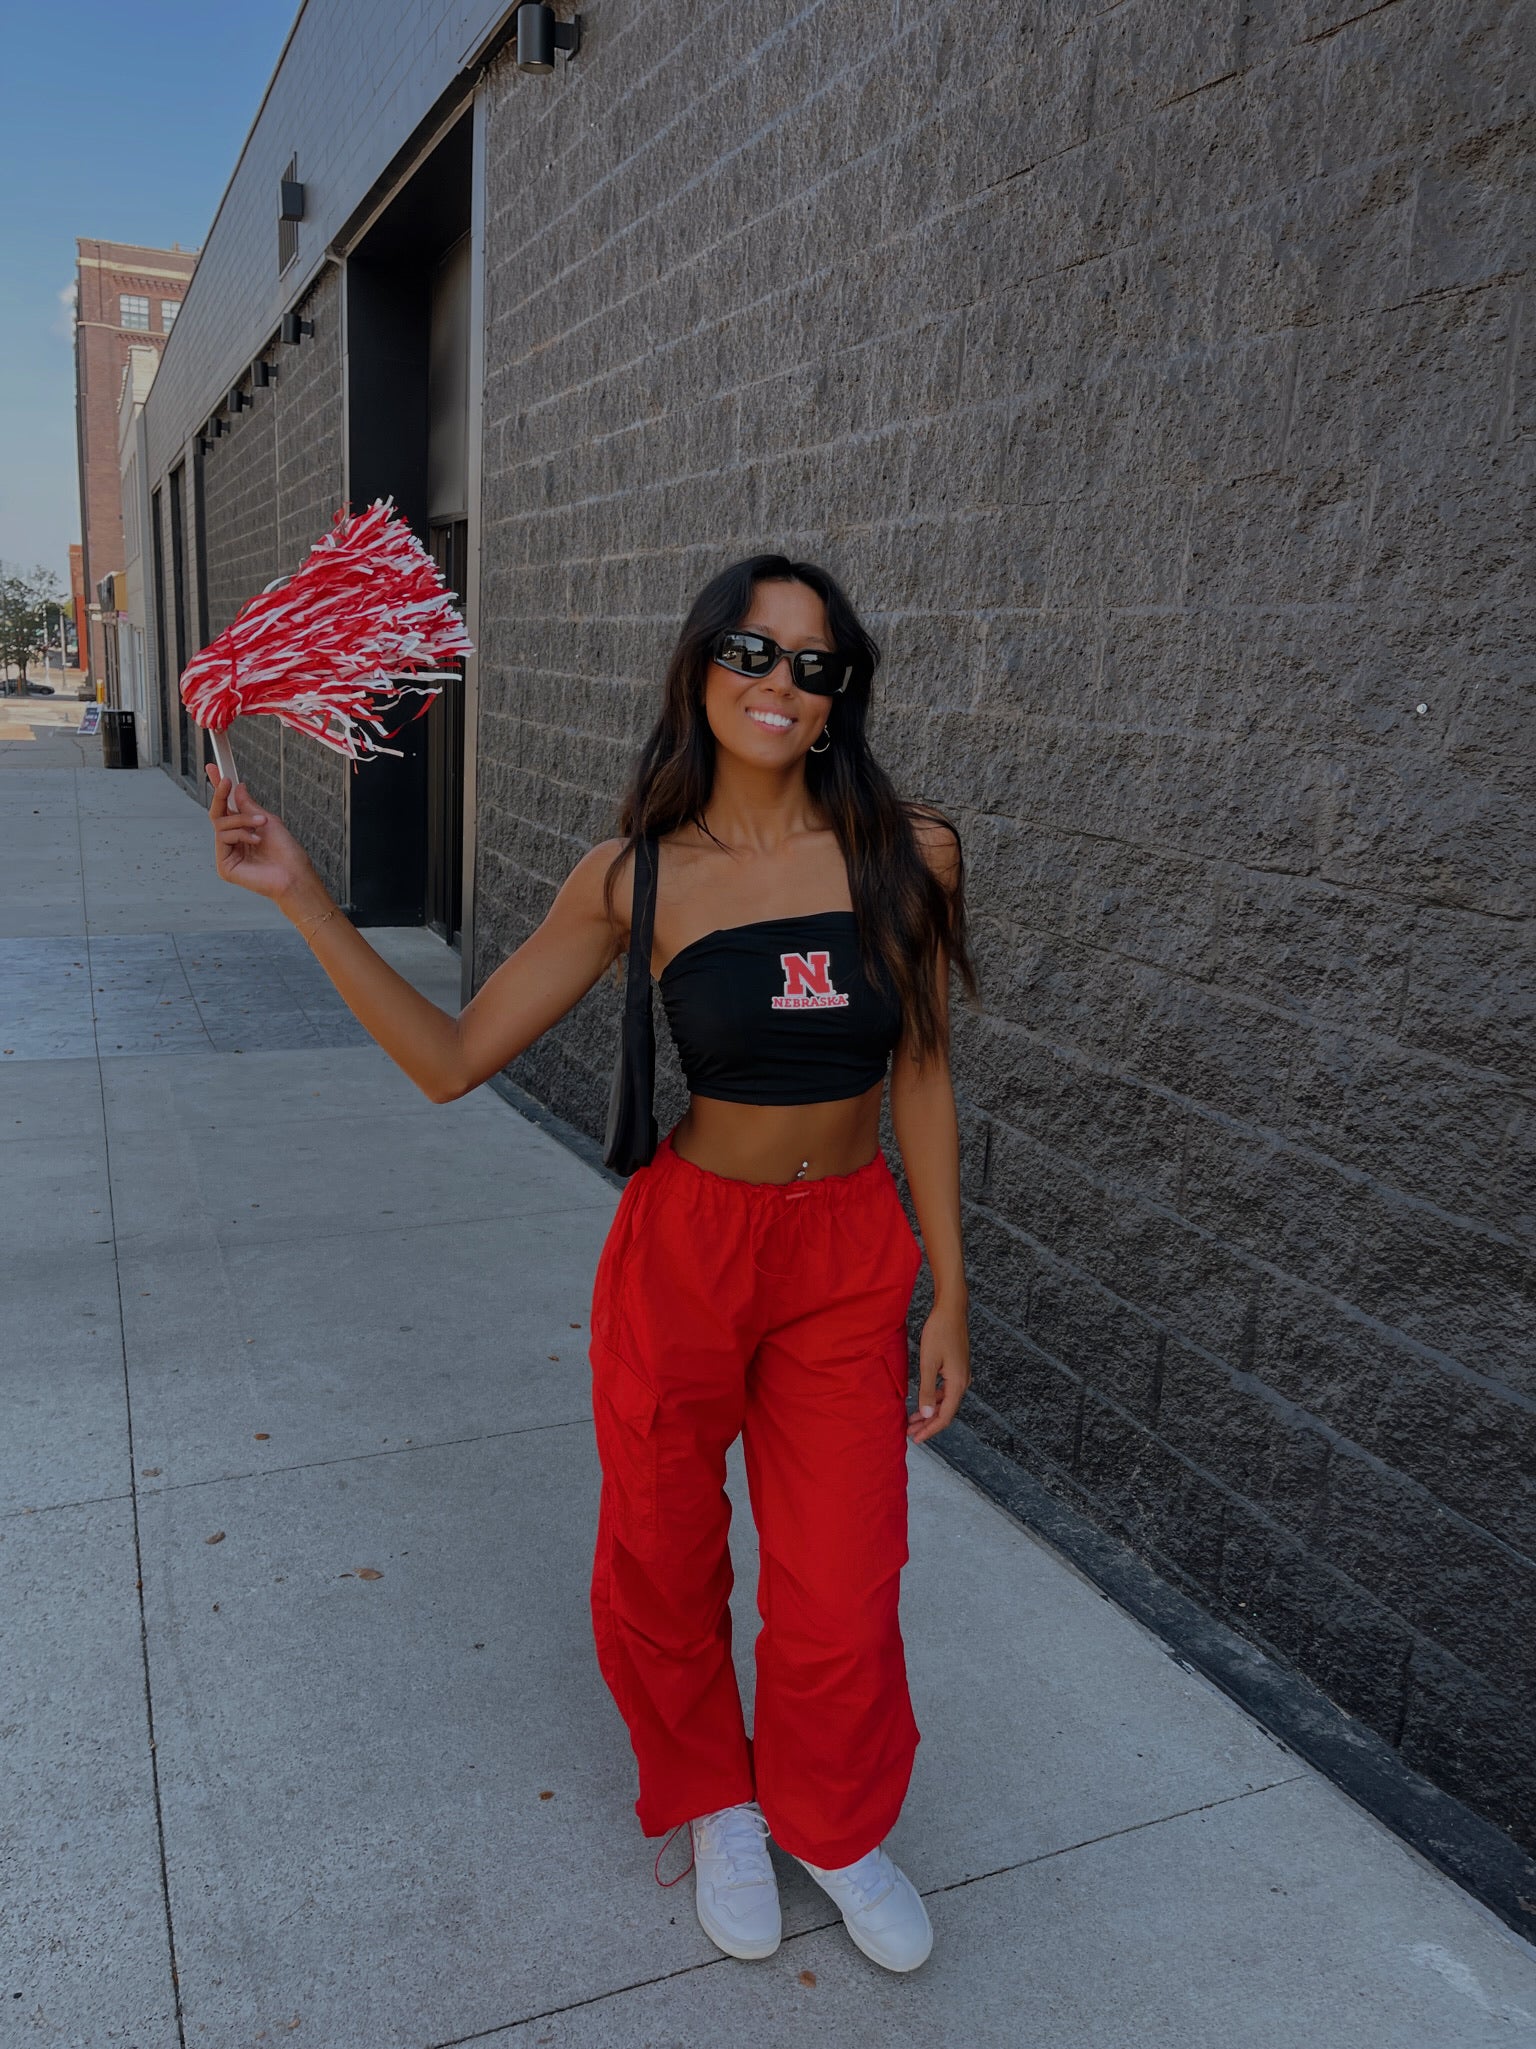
{"type": "Point", "coordinates": [779, 1011]}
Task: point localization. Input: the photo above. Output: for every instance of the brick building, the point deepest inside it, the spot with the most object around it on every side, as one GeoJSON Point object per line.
{"type": "Point", "coordinates": [1157, 381]}
{"type": "Point", "coordinates": [123, 625]}
{"type": "Point", "coordinates": [77, 602]}
{"type": "Point", "coordinates": [126, 297]}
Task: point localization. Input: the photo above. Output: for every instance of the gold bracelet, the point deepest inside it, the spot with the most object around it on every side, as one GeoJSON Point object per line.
{"type": "Point", "coordinates": [320, 921]}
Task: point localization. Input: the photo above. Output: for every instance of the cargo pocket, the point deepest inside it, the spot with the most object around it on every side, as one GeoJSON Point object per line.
{"type": "Point", "coordinates": [624, 1417]}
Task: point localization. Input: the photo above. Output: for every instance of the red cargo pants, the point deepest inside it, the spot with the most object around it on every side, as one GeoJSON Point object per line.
{"type": "Point", "coordinates": [777, 1310]}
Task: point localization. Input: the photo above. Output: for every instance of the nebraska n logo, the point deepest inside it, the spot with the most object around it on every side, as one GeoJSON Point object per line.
{"type": "Point", "coordinates": [808, 983]}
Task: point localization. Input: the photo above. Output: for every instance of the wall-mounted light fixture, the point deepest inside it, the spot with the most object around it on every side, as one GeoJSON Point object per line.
{"type": "Point", "coordinates": [263, 373]}
{"type": "Point", "coordinates": [294, 328]}
{"type": "Point", "coordinates": [290, 211]}
{"type": "Point", "coordinates": [240, 401]}
{"type": "Point", "coordinates": [539, 35]}
{"type": "Point", "coordinates": [215, 427]}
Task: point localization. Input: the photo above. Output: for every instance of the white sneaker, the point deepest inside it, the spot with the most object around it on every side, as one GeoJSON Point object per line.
{"type": "Point", "coordinates": [734, 1889]}
{"type": "Point", "coordinates": [882, 1909]}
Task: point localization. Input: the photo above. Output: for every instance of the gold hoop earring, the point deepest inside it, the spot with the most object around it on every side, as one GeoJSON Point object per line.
{"type": "Point", "coordinates": [826, 741]}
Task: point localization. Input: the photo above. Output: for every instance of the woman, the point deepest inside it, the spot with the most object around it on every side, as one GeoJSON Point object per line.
{"type": "Point", "coordinates": [758, 1271]}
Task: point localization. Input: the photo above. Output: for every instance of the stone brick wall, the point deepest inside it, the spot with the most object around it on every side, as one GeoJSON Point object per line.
{"type": "Point", "coordinates": [1157, 379]}
{"type": "Point", "coordinates": [271, 487]}
{"type": "Point", "coordinates": [311, 482]}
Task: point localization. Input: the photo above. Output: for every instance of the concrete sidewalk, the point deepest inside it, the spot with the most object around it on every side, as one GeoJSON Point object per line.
{"type": "Point", "coordinates": [301, 1722]}
{"type": "Point", "coordinates": [42, 732]}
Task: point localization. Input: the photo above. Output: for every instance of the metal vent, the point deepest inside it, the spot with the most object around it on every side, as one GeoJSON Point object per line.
{"type": "Point", "coordinates": [287, 227]}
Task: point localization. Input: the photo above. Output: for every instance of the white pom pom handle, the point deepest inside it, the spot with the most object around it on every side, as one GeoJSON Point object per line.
{"type": "Point", "coordinates": [223, 755]}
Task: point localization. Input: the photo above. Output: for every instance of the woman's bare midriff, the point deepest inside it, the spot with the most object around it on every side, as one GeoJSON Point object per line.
{"type": "Point", "coordinates": [769, 1141]}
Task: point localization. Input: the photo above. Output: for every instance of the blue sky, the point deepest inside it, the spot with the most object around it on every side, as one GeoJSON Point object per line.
{"type": "Point", "coordinates": [119, 122]}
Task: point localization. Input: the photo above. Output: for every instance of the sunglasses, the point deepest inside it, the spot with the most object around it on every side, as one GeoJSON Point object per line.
{"type": "Point", "coordinates": [754, 654]}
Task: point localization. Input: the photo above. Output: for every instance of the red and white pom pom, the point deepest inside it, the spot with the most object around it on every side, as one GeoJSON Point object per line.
{"type": "Point", "coordinates": [328, 649]}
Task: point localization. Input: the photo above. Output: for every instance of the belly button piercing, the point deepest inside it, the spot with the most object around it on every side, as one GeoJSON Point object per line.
{"type": "Point", "coordinates": [802, 1170]}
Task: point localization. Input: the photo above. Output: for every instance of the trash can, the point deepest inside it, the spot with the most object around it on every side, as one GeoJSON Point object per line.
{"type": "Point", "coordinates": [119, 742]}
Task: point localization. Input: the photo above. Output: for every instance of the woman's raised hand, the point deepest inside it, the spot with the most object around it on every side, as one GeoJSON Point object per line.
{"type": "Point", "coordinates": [253, 848]}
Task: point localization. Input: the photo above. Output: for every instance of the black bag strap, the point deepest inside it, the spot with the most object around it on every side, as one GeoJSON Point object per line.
{"type": "Point", "coordinates": [639, 1028]}
{"type": "Point", "coordinates": [642, 925]}
{"type": "Point", "coordinates": [631, 1136]}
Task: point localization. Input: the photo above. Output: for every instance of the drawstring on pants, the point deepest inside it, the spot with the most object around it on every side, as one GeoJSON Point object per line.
{"type": "Point", "coordinates": [778, 1215]}
{"type": "Point", "coordinates": [656, 1867]}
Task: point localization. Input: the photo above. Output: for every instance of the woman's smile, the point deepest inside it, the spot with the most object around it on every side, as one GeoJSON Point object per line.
{"type": "Point", "coordinates": [775, 721]}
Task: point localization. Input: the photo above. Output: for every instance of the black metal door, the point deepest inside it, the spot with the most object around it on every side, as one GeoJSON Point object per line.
{"type": "Point", "coordinates": [169, 693]}
{"type": "Point", "coordinates": [179, 616]}
{"type": "Point", "coordinates": [445, 760]}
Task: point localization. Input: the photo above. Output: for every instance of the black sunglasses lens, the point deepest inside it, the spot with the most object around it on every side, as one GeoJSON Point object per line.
{"type": "Point", "coordinates": [823, 673]}
{"type": "Point", "coordinates": [749, 654]}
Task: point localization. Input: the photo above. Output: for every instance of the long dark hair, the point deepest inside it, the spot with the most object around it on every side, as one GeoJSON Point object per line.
{"type": "Point", "coordinates": [904, 912]}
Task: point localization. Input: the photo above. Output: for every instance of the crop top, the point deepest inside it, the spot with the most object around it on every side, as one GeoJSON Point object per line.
{"type": "Point", "coordinates": [779, 1011]}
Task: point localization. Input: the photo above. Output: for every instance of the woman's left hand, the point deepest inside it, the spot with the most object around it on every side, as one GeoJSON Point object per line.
{"type": "Point", "coordinates": [944, 1372]}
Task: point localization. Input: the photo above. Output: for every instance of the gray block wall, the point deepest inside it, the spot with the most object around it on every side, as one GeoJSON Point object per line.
{"type": "Point", "coordinates": [239, 498]}
{"type": "Point", "coordinates": [272, 486]}
{"type": "Point", "coordinates": [1157, 379]}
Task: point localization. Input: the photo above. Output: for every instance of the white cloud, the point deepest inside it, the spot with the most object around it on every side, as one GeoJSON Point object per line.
{"type": "Point", "coordinates": [64, 321]}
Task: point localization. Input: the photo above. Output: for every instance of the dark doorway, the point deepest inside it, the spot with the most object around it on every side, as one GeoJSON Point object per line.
{"type": "Point", "coordinates": [407, 426]}
{"type": "Point", "coordinates": [445, 762]}
{"type": "Point", "coordinates": [200, 745]}
{"type": "Point", "coordinates": [448, 516]}
{"type": "Point", "coordinates": [169, 685]}
{"type": "Point", "coordinates": [179, 622]}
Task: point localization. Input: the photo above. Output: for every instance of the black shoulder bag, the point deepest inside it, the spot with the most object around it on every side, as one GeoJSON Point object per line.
{"type": "Point", "coordinates": [632, 1135]}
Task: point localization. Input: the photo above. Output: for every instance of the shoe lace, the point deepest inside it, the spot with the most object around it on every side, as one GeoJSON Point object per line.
{"type": "Point", "coordinates": [656, 1867]}
{"type": "Point", "coordinates": [738, 1833]}
{"type": "Point", "coordinates": [870, 1879]}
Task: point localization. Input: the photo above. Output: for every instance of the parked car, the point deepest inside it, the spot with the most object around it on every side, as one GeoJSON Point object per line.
{"type": "Point", "coordinates": [12, 688]}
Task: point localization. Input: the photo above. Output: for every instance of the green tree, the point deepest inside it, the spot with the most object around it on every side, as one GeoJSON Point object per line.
{"type": "Point", "coordinates": [28, 604]}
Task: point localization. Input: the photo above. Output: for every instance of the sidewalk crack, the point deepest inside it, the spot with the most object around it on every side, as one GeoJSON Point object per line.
{"type": "Point", "coordinates": [350, 1458]}
{"type": "Point", "coordinates": [53, 1507]}
{"type": "Point", "coordinates": [1131, 1828]}
{"type": "Point", "coordinates": [133, 1496]}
